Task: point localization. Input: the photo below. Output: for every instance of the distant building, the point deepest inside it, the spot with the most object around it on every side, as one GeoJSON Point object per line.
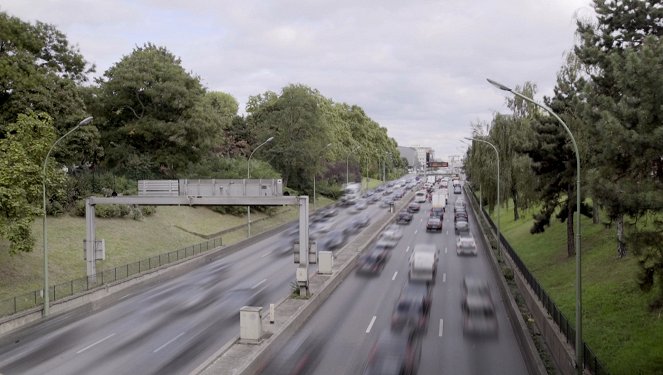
{"type": "Point", "coordinates": [424, 154]}
{"type": "Point", "coordinates": [410, 154]}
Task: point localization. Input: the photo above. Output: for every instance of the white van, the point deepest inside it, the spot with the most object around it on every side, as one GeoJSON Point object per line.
{"type": "Point", "coordinates": [423, 267]}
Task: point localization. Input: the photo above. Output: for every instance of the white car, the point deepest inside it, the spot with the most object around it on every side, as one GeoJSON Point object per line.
{"type": "Point", "coordinates": [466, 246]}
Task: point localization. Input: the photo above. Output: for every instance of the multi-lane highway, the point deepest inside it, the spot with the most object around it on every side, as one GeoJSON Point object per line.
{"type": "Point", "coordinates": [172, 327]}
{"type": "Point", "coordinates": [348, 324]}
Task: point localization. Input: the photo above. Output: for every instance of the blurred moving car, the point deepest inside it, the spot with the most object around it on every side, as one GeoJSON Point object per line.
{"type": "Point", "coordinates": [479, 317]}
{"type": "Point", "coordinates": [475, 287]}
{"type": "Point", "coordinates": [418, 291]}
{"type": "Point", "coordinates": [413, 207]}
{"type": "Point", "coordinates": [410, 314]}
{"type": "Point", "coordinates": [390, 236]}
{"type": "Point", "coordinates": [360, 206]}
{"type": "Point", "coordinates": [404, 217]}
{"type": "Point", "coordinates": [332, 241]}
{"type": "Point", "coordinates": [434, 224]}
{"type": "Point", "coordinates": [466, 246]}
{"type": "Point", "coordinates": [299, 356]}
{"type": "Point", "coordinates": [394, 353]}
{"type": "Point", "coordinates": [373, 262]}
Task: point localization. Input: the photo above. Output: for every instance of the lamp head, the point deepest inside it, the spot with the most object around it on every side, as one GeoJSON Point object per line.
{"type": "Point", "coordinates": [498, 85]}
{"type": "Point", "coordinates": [86, 121]}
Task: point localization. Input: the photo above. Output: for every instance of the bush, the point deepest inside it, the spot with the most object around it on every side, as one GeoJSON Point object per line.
{"type": "Point", "coordinates": [148, 210]}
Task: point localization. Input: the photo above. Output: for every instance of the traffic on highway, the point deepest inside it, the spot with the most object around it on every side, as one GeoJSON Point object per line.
{"type": "Point", "coordinates": [384, 319]}
{"type": "Point", "coordinates": [415, 304]}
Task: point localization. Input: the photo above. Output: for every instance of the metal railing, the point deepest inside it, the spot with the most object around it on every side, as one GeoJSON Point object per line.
{"type": "Point", "coordinates": [56, 292]}
{"type": "Point", "coordinates": [591, 362]}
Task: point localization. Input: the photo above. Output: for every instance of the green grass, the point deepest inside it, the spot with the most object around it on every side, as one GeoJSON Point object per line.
{"type": "Point", "coordinates": [617, 323]}
{"type": "Point", "coordinates": [127, 241]}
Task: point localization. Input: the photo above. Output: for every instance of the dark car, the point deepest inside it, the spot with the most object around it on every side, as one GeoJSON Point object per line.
{"type": "Point", "coordinates": [479, 317]}
{"type": "Point", "coordinates": [410, 314]}
{"type": "Point", "coordinates": [413, 207]}
{"type": "Point", "coordinates": [462, 226]}
{"type": "Point", "coordinates": [434, 224]}
{"type": "Point", "coordinates": [460, 215]}
{"type": "Point", "coordinates": [437, 212]}
{"type": "Point", "coordinates": [404, 217]}
{"type": "Point", "coordinates": [457, 189]}
{"type": "Point", "coordinates": [373, 262]}
{"type": "Point", "coordinates": [418, 291]}
{"type": "Point", "coordinates": [394, 353]}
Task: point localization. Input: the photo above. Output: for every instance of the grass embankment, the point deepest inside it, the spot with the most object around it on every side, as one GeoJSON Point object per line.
{"type": "Point", "coordinates": [617, 323]}
{"type": "Point", "coordinates": [127, 241]}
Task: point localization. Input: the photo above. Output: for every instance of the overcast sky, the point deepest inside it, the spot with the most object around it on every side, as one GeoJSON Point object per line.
{"type": "Point", "coordinates": [417, 67]}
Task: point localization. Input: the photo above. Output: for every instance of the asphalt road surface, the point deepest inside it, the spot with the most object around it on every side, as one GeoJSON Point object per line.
{"type": "Point", "coordinates": [346, 326]}
{"type": "Point", "coordinates": [167, 328]}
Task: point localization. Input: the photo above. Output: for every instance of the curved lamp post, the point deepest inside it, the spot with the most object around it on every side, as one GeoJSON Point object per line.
{"type": "Point", "coordinates": [315, 172]}
{"type": "Point", "coordinates": [579, 359]}
{"type": "Point", "coordinates": [248, 176]}
{"type": "Point", "coordinates": [85, 121]}
{"type": "Point", "coordinates": [499, 239]}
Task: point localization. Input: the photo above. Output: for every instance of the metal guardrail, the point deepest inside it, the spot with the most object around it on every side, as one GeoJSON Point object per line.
{"type": "Point", "coordinates": [56, 292]}
{"type": "Point", "coordinates": [591, 361]}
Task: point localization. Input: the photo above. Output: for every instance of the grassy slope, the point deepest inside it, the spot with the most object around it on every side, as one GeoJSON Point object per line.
{"type": "Point", "coordinates": [617, 324]}
{"type": "Point", "coordinates": [127, 241]}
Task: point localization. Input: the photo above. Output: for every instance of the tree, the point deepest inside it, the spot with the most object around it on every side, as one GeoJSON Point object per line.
{"type": "Point", "coordinates": [622, 53]}
{"type": "Point", "coordinates": [22, 151]}
{"type": "Point", "coordinates": [41, 72]}
{"type": "Point", "coordinates": [154, 116]}
{"type": "Point", "coordinates": [553, 157]}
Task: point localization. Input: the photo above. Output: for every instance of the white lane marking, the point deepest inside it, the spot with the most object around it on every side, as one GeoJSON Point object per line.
{"type": "Point", "coordinates": [95, 343]}
{"type": "Point", "coordinates": [264, 255]}
{"type": "Point", "coordinates": [168, 342]}
{"type": "Point", "coordinates": [370, 325]}
{"type": "Point", "coordinates": [394, 277]}
{"type": "Point", "coordinates": [125, 296]}
{"type": "Point", "coordinates": [415, 231]}
{"type": "Point", "coordinates": [441, 327]}
{"type": "Point", "coordinates": [258, 284]}
{"type": "Point", "coordinates": [445, 250]}
{"type": "Point", "coordinates": [408, 249]}
{"type": "Point", "coordinates": [444, 277]}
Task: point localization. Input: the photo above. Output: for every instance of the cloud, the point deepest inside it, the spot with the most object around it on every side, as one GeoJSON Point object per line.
{"type": "Point", "coordinates": [417, 67]}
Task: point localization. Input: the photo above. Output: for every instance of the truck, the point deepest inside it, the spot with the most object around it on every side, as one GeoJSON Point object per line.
{"type": "Point", "coordinates": [439, 200]}
{"type": "Point", "coordinates": [430, 179]}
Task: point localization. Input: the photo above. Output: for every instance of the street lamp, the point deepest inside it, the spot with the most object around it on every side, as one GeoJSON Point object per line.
{"type": "Point", "coordinates": [85, 121]}
{"type": "Point", "coordinates": [347, 163]}
{"type": "Point", "coordinates": [315, 172]}
{"type": "Point", "coordinates": [248, 176]}
{"type": "Point", "coordinates": [579, 359]}
{"type": "Point", "coordinates": [499, 239]}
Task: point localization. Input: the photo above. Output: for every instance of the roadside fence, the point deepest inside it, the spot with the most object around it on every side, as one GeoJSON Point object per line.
{"type": "Point", "coordinates": [591, 362]}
